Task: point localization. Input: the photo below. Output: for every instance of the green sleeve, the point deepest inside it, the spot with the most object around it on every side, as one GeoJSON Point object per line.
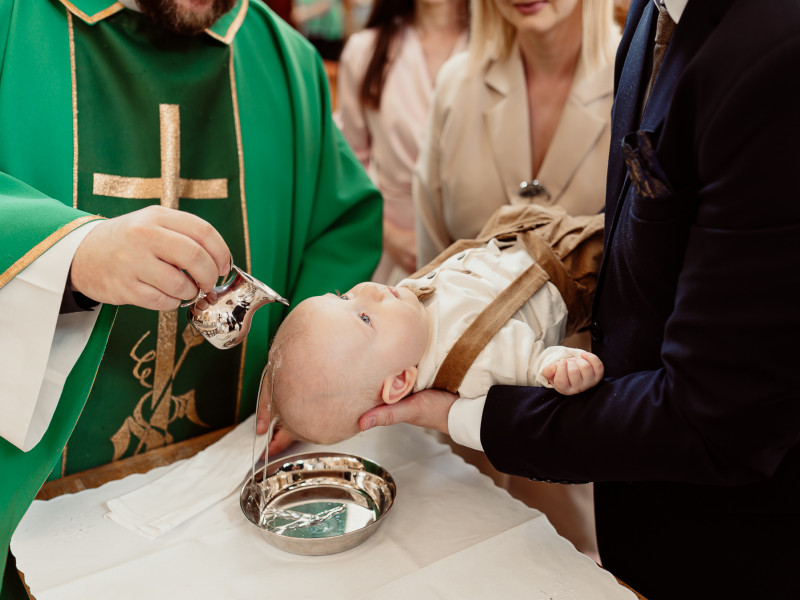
{"type": "Point", "coordinates": [34, 223]}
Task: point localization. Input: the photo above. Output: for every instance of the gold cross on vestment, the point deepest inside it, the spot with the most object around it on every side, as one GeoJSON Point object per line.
{"type": "Point", "coordinates": [170, 187]}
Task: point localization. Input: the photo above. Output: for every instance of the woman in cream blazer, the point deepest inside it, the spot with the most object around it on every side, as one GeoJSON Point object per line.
{"type": "Point", "coordinates": [554, 61]}
{"type": "Point", "coordinates": [478, 147]}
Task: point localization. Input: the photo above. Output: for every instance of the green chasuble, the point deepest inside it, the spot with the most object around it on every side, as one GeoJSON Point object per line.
{"type": "Point", "coordinates": [101, 113]}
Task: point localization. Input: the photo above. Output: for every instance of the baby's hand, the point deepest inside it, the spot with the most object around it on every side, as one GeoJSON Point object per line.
{"type": "Point", "coordinates": [575, 374]}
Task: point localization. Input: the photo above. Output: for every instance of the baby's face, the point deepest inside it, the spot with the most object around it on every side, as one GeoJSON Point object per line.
{"type": "Point", "coordinates": [375, 324]}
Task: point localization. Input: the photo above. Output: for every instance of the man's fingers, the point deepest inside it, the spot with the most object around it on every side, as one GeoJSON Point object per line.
{"type": "Point", "coordinates": [149, 247]}
{"type": "Point", "coordinates": [151, 298]}
{"type": "Point", "coordinates": [168, 279]}
{"type": "Point", "coordinates": [202, 233]}
{"type": "Point", "coordinates": [183, 252]}
{"type": "Point", "coordinates": [429, 409]}
{"type": "Point", "coordinates": [380, 416]}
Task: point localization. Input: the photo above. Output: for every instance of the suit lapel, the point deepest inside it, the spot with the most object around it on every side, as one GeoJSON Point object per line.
{"type": "Point", "coordinates": [698, 20]}
{"type": "Point", "coordinates": [626, 110]}
{"type": "Point", "coordinates": [690, 34]}
{"type": "Point", "coordinates": [506, 121]}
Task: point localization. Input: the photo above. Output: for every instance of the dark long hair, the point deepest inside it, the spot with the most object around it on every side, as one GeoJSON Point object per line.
{"type": "Point", "coordinates": [388, 17]}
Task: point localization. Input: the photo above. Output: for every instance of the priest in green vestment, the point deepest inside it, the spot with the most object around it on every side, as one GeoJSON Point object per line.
{"type": "Point", "coordinates": [126, 128]}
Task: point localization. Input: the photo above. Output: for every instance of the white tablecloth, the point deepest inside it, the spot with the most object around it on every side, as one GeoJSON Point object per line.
{"type": "Point", "coordinates": [451, 534]}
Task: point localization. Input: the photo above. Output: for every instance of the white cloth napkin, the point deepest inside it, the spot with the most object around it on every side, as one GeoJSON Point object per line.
{"type": "Point", "coordinates": [191, 486]}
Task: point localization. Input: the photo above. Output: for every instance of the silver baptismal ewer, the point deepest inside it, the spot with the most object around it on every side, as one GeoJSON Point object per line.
{"type": "Point", "coordinates": [223, 315]}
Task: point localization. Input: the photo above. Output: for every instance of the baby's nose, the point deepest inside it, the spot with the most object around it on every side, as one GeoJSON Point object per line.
{"type": "Point", "coordinates": [374, 292]}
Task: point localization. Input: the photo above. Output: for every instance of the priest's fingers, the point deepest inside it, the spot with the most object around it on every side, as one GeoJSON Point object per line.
{"type": "Point", "coordinates": [279, 442]}
{"type": "Point", "coordinates": [147, 247]}
{"type": "Point", "coordinates": [149, 297]}
{"type": "Point", "coordinates": [154, 286]}
{"type": "Point", "coordinates": [183, 252]}
{"type": "Point", "coordinates": [201, 232]}
{"type": "Point", "coordinates": [262, 418]}
{"type": "Point", "coordinates": [183, 240]}
{"type": "Point", "coordinates": [428, 408]}
{"type": "Point", "coordinates": [168, 281]}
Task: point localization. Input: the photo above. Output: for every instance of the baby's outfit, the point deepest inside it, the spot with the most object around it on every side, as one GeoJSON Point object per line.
{"type": "Point", "coordinates": [498, 306]}
{"type": "Point", "coordinates": [463, 286]}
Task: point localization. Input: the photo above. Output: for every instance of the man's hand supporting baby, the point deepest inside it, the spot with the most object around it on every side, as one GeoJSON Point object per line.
{"type": "Point", "coordinates": [428, 409]}
{"type": "Point", "coordinates": [431, 408]}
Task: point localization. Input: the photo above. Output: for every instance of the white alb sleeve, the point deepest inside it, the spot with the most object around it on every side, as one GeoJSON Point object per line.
{"type": "Point", "coordinates": [39, 347]}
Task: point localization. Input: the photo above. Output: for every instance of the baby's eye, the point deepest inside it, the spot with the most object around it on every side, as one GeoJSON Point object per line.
{"type": "Point", "coordinates": [364, 318]}
{"type": "Point", "coordinates": [344, 297]}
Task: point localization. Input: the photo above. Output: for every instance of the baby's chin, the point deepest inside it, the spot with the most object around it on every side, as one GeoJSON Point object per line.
{"type": "Point", "coordinates": [326, 437]}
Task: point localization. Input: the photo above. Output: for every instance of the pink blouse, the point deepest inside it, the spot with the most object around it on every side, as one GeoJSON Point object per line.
{"type": "Point", "coordinates": [387, 141]}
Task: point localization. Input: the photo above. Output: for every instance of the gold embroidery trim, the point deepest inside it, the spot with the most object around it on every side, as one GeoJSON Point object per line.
{"type": "Point", "coordinates": [245, 224]}
{"type": "Point", "coordinates": [230, 33]}
{"type": "Point", "coordinates": [234, 27]}
{"type": "Point", "coordinates": [39, 249]}
{"type": "Point", "coordinates": [166, 343]}
{"type": "Point", "coordinates": [140, 188]}
{"type": "Point", "coordinates": [74, 78]}
{"type": "Point", "coordinates": [170, 129]}
{"type": "Point", "coordinates": [91, 20]}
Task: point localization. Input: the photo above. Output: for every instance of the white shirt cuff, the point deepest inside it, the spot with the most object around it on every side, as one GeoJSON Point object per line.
{"type": "Point", "coordinates": [464, 422]}
{"type": "Point", "coordinates": [39, 347]}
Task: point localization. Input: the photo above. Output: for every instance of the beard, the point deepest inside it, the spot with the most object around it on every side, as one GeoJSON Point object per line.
{"type": "Point", "coordinates": [189, 18]}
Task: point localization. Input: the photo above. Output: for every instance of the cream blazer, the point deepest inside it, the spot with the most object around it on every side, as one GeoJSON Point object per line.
{"type": "Point", "coordinates": [477, 149]}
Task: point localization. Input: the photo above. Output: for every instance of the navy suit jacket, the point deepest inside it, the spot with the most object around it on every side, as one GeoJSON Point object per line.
{"type": "Point", "coordinates": [693, 436]}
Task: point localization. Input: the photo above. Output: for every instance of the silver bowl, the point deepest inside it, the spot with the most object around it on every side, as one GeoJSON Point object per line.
{"type": "Point", "coordinates": [319, 502]}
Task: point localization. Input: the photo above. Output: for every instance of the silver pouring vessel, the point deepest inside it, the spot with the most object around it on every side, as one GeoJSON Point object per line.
{"type": "Point", "coordinates": [224, 314]}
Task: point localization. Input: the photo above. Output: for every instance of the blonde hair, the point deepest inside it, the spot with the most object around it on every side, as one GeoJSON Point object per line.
{"type": "Point", "coordinates": [493, 37]}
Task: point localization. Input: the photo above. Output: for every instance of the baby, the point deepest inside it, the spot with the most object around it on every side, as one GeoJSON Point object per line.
{"type": "Point", "coordinates": [338, 355]}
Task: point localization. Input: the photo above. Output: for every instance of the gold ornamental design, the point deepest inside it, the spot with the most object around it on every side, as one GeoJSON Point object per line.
{"type": "Point", "coordinates": [165, 407]}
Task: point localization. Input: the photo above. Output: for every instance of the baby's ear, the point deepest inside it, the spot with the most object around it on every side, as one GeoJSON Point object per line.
{"type": "Point", "coordinates": [399, 386]}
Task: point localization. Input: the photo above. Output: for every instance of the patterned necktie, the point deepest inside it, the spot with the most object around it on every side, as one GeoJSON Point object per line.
{"type": "Point", "coordinates": [664, 28]}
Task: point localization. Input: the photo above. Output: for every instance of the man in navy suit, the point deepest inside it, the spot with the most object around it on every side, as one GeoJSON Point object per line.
{"type": "Point", "coordinates": [693, 437]}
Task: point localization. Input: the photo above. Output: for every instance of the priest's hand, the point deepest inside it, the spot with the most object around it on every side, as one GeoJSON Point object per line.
{"type": "Point", "coordinates": [140, 258]}
{"type": "Point", "coordinates": [281, 439]}
{"type": "Point", "coordinates": [428, 408]}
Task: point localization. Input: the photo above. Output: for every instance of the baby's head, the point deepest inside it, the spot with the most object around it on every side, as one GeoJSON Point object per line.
{"type": "Point", "coordinates": [335, 357]}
